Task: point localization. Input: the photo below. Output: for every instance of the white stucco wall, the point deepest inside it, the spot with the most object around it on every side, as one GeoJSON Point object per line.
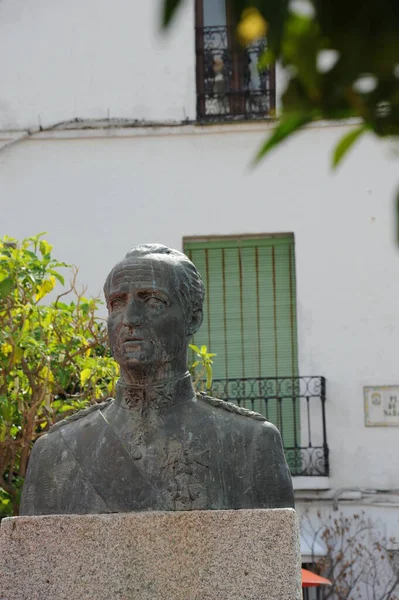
{"type": "Point", "coordinates": [94, 59]}
{"type": "Point", "coordinates": [61, 61]}
{"type": "Point", "coordinates": [98, 196]}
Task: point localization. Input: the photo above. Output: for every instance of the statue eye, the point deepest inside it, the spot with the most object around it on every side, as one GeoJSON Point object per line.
{"type": "Point", "coordinates": [117, 303]}
{"type": "Point", "coordinates": [154, 302]}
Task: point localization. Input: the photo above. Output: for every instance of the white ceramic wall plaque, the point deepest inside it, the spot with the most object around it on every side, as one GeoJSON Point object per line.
{"type": "Point", "coordinates": [381, 406]}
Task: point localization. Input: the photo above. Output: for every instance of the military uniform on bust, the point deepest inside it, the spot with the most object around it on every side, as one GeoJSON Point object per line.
{"type": "Point", "coordinates": [159, 445]}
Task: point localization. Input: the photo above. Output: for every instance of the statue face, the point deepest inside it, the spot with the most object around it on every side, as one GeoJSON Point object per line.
{"type": "Point", "coordinates": [147, 324]}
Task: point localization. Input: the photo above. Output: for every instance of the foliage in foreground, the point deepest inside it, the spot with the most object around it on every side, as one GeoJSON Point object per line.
{"type": "Point", "coordinates": [341, 60]}
{"type": "Point", "coordinates": [54, 357]}
{"type": "Point", "coordinates": [202, 367]}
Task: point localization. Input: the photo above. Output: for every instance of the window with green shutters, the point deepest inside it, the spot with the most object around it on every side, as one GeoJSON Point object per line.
{"type": "Point", "coordinates": [250, 319]}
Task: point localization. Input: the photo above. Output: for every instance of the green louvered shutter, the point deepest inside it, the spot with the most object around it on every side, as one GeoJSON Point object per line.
{"type": "Point", "coordinates": [250, 315]}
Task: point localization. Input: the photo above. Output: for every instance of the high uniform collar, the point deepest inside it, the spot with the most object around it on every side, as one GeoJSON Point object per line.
{"type": "Point", "coordinates": [155, 396]}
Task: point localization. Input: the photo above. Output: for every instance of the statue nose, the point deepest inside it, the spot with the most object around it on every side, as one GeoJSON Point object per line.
{"type": "Point", "coordinates": [133, 316]}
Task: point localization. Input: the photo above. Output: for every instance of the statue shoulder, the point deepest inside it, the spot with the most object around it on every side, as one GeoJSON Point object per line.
{"type": "Point", "coordinates": [232, 408]}
{"type": "Point", "coordinates": [80, 415]}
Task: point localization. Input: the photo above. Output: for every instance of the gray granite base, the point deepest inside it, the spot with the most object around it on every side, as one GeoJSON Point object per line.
{"type": "Point", "coordinates": [198, 555]}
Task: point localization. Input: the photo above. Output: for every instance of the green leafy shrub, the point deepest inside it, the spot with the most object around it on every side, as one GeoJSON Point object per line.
{"type": "Point", "coordinates": [54, 356]}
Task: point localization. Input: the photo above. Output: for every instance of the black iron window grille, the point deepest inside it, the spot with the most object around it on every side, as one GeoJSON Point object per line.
{"type": "Point", "coordinates": [296, 405]}
{"type": "Point", "coordinates": [229, 81]}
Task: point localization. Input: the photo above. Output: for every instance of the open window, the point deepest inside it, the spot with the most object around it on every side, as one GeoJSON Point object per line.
{"type": "Point", "coordinates": [229, 83]}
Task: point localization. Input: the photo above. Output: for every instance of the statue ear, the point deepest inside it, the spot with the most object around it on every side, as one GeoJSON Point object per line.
{"type": "Point", "coordinates": [195, 322]}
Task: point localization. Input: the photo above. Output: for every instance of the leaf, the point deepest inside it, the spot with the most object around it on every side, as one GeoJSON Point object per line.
{"type": "Point", "coordinates": [266, 59]}
{"type": "Point", "coordinates": [26, 326]}
{"type": "Point", "coordinates": [45, 247]}
{"type": "Point", "coordinates": [85, 307]}
{"type": "Point", "coordinates": [301, 44]}
{"type": "Point", "coordinates": [274, 12]}
{"type": "Point", "coordinates": [6, 349]}
{"type": "Point", "coordinates": [32, 255]}
{"type": "Point", "coordinates": [65, 408]}
{"type": "Point", "coordinates": [85, 376]}
{"type": "Point", "coordinates": [45, 288]}
{"type": "Point", "coordinates": [46, 374]}
{"type": "Point", "coordinates": [169, 10]}
{"type": "Point", "coordinates": [3, 274]}
{"type": "Point", "coordinates": [58, 276]}
{"type": "Point", "coordinates": [195, 348]}
{"type": "Point", "coordinates": [18, 354]}
{"type": "Point", "coordinates": [5, 287]}
{"type": "Point", "coordinates": [346, 142]}
{"type": "Point", "coordinates": [287, 126]}
{"type": "Point", "coordinates": [252, 26]}
{"type": "Point", "coordinates": [36, 237]}
{"type": "Point", "coordinates": [203, 350]}
{"type": "Point", "coordinates": [14, 430]}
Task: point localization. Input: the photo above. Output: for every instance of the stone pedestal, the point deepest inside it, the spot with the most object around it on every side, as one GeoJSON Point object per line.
{"type": "Point", "coordinates": [199, 555]}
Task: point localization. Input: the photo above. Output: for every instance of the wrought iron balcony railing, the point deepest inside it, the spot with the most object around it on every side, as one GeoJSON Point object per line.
{"type": "Point", "coordinates": [296, 405]}
{"type": "Point", "coordinates": [229, 81]}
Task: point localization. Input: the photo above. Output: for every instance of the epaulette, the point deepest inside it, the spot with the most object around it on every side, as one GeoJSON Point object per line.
{"type": "Point", "coordinates": [230, 407]}
{"type": "Point", "coordinates": [79, 415]}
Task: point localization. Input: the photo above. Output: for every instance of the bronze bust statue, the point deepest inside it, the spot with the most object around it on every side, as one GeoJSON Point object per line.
{"type": "Point", "coordinates": [158, 445]}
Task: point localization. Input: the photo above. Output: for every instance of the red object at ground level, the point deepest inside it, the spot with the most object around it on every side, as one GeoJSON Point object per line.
{"type": "Point", "coordinates": [310, 579]}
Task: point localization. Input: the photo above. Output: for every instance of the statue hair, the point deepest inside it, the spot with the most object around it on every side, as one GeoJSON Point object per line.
{"type": "Point", "coordinates": [187, 280]}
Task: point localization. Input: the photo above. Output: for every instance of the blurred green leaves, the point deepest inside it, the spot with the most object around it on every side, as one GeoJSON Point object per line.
{"type": "Point", "coordinates": [346, 142]}
{"type": "Point", "coordinates": [328, 49]}
{"type": "Point", "coordinates": [168, 12]}
{"type": "Point", "coordinates": [363, 38]}
{"type": "Point", "coordinates": [285, 128]}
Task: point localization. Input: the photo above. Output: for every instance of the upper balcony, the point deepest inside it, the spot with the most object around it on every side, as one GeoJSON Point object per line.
{"type": "Point", "coordinates": [230, 85]}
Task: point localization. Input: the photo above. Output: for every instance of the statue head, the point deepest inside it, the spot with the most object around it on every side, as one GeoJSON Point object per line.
{"type": "Point", "coordinates": [154, 298]}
